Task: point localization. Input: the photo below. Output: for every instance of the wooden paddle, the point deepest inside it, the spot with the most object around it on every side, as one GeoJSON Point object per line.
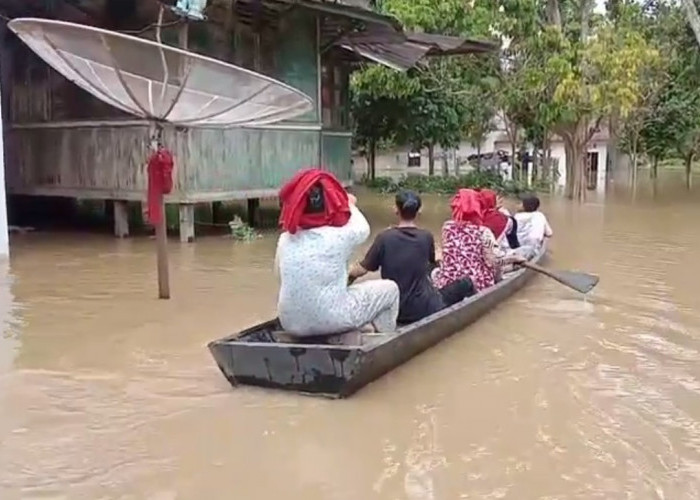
{"type": "Point", "coordinates": [581, 282]}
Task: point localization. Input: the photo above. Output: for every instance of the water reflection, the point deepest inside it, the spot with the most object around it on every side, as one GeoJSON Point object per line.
{"type": "Point", "coordinates": [106, 392]}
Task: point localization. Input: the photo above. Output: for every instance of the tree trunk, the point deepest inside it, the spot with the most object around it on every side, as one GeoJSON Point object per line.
{"type": "Point", "coordinates": [512, 132]}
{"type": "Point", "coordinates": [634, 158]}
{"type": "Point", "coordinates": [445, 167]}
{"type": "Point", "coordinates": [553, 13]}
{"type": "Point", "coordinates": [547, 171]}
{"type": "Point", "coordinates": [654, 173]}
{"type": "Point", "coordinates": [613, 142]}
{"type": "Point", "coordinates": [372, 160]}
{"type": "Point", "coordinates": [431, 159]}
{"type": "Point", "coordinates": [689, 170]}
{"type": "Point", "coordinates": [568, 169]}
{"type": "Point", "coordinates": [692, 16]}
{"type": "Point", "coordinates": [535, 163]}
{"type": "Point", "coordinates": [575, 187]}
{"type": "Point", "coordinates": [586, 8]}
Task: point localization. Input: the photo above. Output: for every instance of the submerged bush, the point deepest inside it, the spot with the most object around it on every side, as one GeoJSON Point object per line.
{"type": "Point", "coordinates": [446, 185]}
{"type": "Point", "coordinates": [240, 231]}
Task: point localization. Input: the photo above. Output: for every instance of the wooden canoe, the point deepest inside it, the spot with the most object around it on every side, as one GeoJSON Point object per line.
{"type": "Point", "coordinates": [255, 357]}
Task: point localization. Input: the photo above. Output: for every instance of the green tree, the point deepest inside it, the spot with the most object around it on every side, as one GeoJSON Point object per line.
{"type": "Point", "coordinates": [377, 99]}
{"type": "Point", "coordinates": [425, 107]}
{"type": "Point", "coordinates": [674, 118]}
{"type": "Point", "coordinates": [597, 70]}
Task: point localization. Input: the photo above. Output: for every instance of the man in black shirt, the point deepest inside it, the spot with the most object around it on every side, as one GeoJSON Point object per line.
{"type": "Point", "coordinates": [405, 254]}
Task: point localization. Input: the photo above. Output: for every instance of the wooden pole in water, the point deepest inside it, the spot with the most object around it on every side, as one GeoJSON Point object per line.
{"type": "Point", "coordinates": [161, 231]}
{"type": "Point", "coordinates": [162, 227]}
{"type": "Point", "coordinates": [162, 252]}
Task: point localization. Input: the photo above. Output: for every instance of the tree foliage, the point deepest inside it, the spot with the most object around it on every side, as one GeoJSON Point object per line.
{"type": "Point", "coordinates": [431, 105]}
{"type": "Point", "coordinates": [564, 70]}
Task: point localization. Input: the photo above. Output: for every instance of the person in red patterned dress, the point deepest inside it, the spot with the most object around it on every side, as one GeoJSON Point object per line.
{"type": "Point", "coordinates": [469, 249]}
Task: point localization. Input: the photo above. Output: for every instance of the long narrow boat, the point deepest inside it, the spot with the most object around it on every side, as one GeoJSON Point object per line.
{"type": "Point", "coordinates": [256, 356]}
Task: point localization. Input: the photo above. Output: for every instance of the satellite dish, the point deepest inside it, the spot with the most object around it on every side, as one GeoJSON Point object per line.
{"type": "Point", "coordinates": [158, 82]}
{"type": "Point", "coordinates": [162, 84]}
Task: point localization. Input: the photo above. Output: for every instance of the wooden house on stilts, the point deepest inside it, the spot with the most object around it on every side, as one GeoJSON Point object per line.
{"type": "Point", "coordinates": [62, 142]}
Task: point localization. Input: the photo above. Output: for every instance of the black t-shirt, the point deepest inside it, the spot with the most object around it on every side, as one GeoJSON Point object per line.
{"type": "Point", "coordinates": [406, 256]}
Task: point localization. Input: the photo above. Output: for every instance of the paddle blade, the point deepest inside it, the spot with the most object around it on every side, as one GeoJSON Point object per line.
{"type": "Point", "coordinates": [581, 282]}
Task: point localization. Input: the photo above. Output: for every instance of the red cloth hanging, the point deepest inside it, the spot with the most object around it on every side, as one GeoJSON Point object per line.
{"type": "Point", "coordinates": [466, 207]}
{"type": "Point", "coordinates": [160, 182]}
{"type": "Point", "coordinates": [293, 198]}
{"type": "Point", "coordinates": [493, 218]}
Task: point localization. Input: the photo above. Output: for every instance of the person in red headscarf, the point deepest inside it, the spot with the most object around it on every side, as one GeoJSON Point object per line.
{"type": "Point", "coordinates": [493, 218]}
{"type": "Point", "coordinates": [322, 227]}
{"type": "Point", "coordinates": [503, 226]}
{"type": "Point", "coordinates": [469, 248]}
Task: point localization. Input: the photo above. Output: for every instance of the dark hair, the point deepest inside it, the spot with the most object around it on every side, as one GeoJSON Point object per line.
{"type": "Point", "coordinates": [530, 202]}
{"type": "Point", "coordinates": [408, 203]}
{"type": "Point", "coordinates": [315, 202]}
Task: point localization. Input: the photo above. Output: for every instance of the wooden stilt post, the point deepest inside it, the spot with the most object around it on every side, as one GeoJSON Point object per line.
{"type": "Point", "coordinates": [215, 211]}
{"type": "Point", "coordinates": [186, 223]}
{"type": "Point", "coordinates": [121, 218]}
{"type": "Point", "coordinates": [253, 211]}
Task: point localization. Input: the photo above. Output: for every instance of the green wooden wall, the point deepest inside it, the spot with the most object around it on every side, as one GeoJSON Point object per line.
{"type": "Point", "coordinates": [245, 159]}
{"type": "Point", "coordinates": [297, 57]}
{"type": "Point", "coordinates": [337, 153]}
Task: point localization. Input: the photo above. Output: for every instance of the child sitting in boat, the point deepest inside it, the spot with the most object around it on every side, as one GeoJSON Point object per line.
{"type": "Point", "coordinates": [532, 226]}
{"type": "Point", "coordinates": [321, 229]}
{"type": "Point", "coordinates": [405, 254]}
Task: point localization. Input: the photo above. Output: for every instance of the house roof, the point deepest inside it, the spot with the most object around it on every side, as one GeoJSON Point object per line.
{"type": "Point", "coordinates": [451, 45]}
{"type": "Point", "coordinates": [402, 51]}
{"type": "Point", "coordinates": [350, 25]}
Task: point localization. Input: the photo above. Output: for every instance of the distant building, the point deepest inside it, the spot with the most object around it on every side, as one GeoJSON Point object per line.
{"type": "Point", "coordinates": [406, 160]}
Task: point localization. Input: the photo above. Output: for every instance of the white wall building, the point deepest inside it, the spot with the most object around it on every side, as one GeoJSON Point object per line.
{"type": "Point", "coordinates": [396, 163]}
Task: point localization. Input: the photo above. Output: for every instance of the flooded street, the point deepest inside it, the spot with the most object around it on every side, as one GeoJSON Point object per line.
{"type": "Point", "coordinates": [108, 393]}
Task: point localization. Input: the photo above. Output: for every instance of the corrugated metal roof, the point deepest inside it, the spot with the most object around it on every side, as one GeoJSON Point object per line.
{"type": "Point", "coordinates": [403, 51]}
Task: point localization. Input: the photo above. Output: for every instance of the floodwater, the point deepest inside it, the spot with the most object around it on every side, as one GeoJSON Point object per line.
{"type": "Point", "coordinates": [108, 393]}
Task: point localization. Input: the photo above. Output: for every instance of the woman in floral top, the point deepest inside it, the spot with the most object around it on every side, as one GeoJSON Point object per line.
{"type": "Point", "coordinates": [469, 249]}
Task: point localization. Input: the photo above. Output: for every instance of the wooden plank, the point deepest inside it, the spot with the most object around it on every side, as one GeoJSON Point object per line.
{"type": "Point", "coordinates": [290, 125]}
{"type": "Point", "coordinates": [107, 194]}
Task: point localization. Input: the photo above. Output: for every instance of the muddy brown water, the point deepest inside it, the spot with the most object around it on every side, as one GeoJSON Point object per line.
{"type": "Point", "coordinates": [107, 393]}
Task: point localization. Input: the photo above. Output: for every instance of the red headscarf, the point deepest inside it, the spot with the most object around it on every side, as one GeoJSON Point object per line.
{"type": "Point", "coordinates": [493, 218]}
{"type": "Point", "coordinates": [293, 197]}
{"type": "Point", "coordinates": [466, 207]}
